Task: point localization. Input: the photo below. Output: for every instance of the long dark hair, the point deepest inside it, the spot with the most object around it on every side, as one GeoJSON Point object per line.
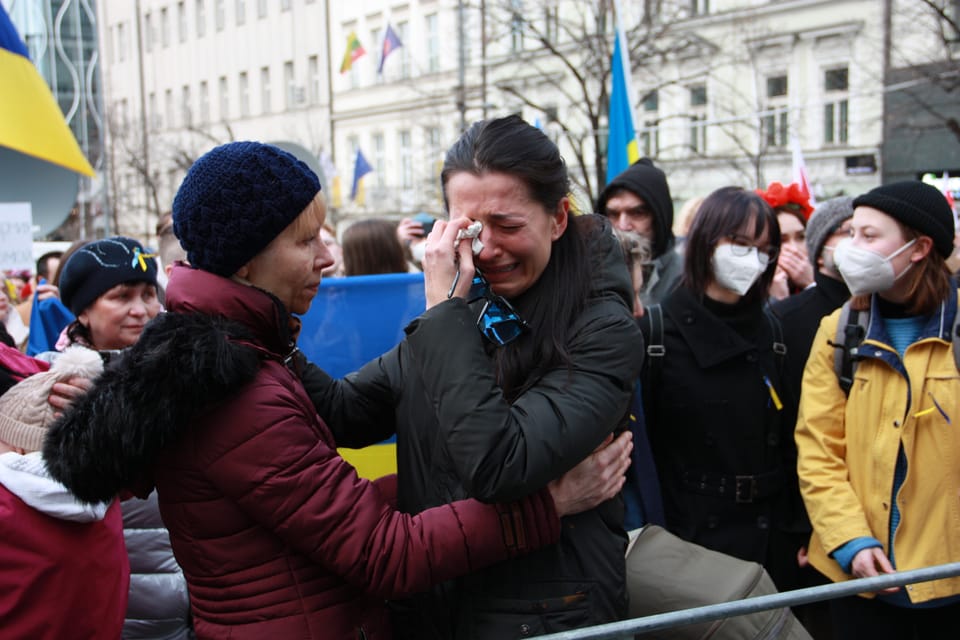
{"type": "Point", "coordinates": [371, 246]}
{"type": "Point", "coordinates": [725, 212]}
{"type": "Point", "coordinates": [513, 147]}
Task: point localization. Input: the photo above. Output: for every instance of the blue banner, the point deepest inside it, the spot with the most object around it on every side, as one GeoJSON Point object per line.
{"type": "Point", "coordinates": [353, 321]}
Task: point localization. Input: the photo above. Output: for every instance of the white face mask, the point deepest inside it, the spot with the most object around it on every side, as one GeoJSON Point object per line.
{"type": "Point", "coordinates": [866, 271]}
{"type": "Point", "coordinates": [737, 273]}
{"type": "Point", "coordinates": [418, 251]}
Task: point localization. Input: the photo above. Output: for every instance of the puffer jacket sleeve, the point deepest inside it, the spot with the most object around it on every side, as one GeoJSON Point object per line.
{"type": "Point", "coordinates": [505, 450]}
{"type": "Point", "coordinates": [835, 511]}
{"type": "Point", "coordinates": [286, 476]}
{"type": "Point", "coordinates": [359, 408]}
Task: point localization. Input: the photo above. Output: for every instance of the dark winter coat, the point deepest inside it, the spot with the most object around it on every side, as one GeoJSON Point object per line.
{"type": "Point", "coordinates": [716, 433]}
{"type": "Point", "coordinates": [458, 436]}
{"type": "Point", "coordinates": [276, 534]}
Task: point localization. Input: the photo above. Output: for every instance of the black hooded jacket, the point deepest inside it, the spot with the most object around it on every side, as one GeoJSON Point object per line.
{"type": "Point", "coordinates": [458, 436]}
{"type": "Point", "coordinates": [650, 183]}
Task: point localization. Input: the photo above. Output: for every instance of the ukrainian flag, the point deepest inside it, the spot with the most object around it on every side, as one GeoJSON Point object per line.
{"type": "Point", "coordinates": [30, 118]}
{"type": "Point", "coordinates": [622, 147]}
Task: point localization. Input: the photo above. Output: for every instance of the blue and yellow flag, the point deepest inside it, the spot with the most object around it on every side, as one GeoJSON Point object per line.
{"type": "Point", "coordinates": [622, 147]}
{"type": "Point", "coordinates": [30, 118]}
{"type": "Point", "coordinates": [360, 168]}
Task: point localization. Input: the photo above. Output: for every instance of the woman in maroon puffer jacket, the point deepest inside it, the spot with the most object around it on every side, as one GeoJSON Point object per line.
{"type": "Point", "coordinates": [277, 535]}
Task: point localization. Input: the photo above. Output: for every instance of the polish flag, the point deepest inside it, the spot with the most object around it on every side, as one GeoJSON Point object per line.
{"type": "Point", "coordinates": [800, 171]}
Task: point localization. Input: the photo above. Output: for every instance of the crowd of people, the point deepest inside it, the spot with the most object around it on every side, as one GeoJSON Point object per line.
{"type": "Point", "coordinates": [783, 376]}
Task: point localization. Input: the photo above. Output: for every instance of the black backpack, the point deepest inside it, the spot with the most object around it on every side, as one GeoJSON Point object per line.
{"type": "Point", "coordinates": [852, 329]}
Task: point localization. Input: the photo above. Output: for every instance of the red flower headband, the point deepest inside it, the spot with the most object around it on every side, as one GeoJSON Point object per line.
{"type": "Point", "coordinates": [792, 199]}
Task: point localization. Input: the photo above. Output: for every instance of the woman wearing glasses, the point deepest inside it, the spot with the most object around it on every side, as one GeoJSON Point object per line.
{"type": "Point", "coordinates": [711, 388]}
{"type": "Point", "coordinates": [506, 381]}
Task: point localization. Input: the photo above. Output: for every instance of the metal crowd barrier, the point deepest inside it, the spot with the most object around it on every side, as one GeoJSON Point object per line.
{"type": "Point", "coordinates": [627, 628]}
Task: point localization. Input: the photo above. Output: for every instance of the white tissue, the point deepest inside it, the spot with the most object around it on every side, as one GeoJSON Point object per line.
{"type": "Point", "coordinates": [473, 231]}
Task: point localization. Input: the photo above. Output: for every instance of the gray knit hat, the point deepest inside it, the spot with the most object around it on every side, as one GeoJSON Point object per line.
{"type": "Point", "coordinates": [25, 414]}
{"type": "Point", "coordinates": [918, 205]}
{"type": "Point", "coordinates": [826, 218]}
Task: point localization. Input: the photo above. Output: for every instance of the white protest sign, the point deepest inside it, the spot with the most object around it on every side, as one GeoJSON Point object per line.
{"type": "Point", "coordinates": [16, 236]}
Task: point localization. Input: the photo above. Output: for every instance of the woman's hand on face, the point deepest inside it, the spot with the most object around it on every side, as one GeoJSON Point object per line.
{"type": "Point", "coordinates": [443, 257]}
{"type": "Point", "coordinates": [65, 393]}
{"type": "Point", "coordinates": [597, 478]}
{"type": "Point", "coordinates": [780, 285]}
{"type": "Point", "coordinates": [872, 562]}
{"type": "Point", "coordinates": [798, 267]}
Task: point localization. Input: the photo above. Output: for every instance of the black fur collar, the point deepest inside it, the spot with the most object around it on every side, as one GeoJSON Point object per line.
{"type": "Point", "coordinates": [183, 364]}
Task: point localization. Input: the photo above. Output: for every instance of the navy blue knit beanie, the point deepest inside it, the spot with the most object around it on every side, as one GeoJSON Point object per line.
{"type": "Point", "coordinates": [237, 198]}
{"type": "Point", "coordinates": [918, 205]}
{"type": "Point", "coordinates": [99, 266]}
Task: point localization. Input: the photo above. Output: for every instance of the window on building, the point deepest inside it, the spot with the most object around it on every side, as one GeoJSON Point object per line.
{"type": "Point", "coordinates": [148, 33]}
{"type": "Point", "coordinates": [516, 25]}
{"type": "Point", "coordinates": [122, 112]}
{"type": "Point", "coordinates": [261, 8]}
{"type": "Point", "coordinates": [201, 15]}
{"type": "Point", "coordinates": [313, 79]}
{"type": "Point", "coordinates": [698, 118]}
{"type": "Point", "coordinates": [952, 28]}
{"type": "Point", "coordinates": [290, 84]}
{"type": "Point", "coordinates": [204, 102]}
{"type": "Point", "coordinates": [243, 93]}
{"type": "Point", "coordinates": [551, 23]}
{"type": "Point", "coordinates": [285, 5]}
{"type": "Point", "coordinates": [220, 14]}
{"type": "Point", "coordinates": [433, 151]}
{"type": "Point", "coordinates": [265, 90]}
{"type": "Point", "coordinates": [182, 21]}
{"type": "Point", "coordinates": [403, 32]}
{"type": "Point", "coordinates": [378, 44]}
{"type": "Point", "coordinates": [699, 7]}
{"type": "Point", "coordinates": [186, 109]}
{"type": "Point", "coordinates": [406, 159]}
{"type": "Point", "coordinates": [650, 133]}
{"type": "Point", "coordinates": [165, 27]}
{"type": "Point", "coordinates": [836, 106]}
{"type": "Point", "coordinates": [153, 115]}
{"type": "Point", "coordinates": [122, 41]}
{"type": "Point", "coordinates": [168, 107]}
{"type": "Point", "coordinates": [774, 127]}
{"type": "Point", "coordinates": [240, 11]}
{"type": "Point", "coordinates": [223, 90]}
{"type": "Point", "coordinates": [432, 25]}
{"type": "Point", "coordinates": [379, 159]}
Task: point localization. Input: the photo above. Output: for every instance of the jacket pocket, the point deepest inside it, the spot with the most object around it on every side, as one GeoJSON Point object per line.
{"type": "Point", "coordinates": [568, 606]}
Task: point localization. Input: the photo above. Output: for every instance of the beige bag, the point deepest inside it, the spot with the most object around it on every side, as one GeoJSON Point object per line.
{"type": "Point", "coordinates": [665, 573]}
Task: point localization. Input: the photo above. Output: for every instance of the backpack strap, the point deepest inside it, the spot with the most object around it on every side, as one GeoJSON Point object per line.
{"type": "Point", "coordinates": [779, 345]}
{"type": "Point", "coordinates": [851, 330]}
{"type": "Point", "coordinates": [655, 349]}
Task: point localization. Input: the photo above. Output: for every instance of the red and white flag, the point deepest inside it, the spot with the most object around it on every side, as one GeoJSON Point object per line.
{"type": "Point", "coordinates": [800, 171]}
